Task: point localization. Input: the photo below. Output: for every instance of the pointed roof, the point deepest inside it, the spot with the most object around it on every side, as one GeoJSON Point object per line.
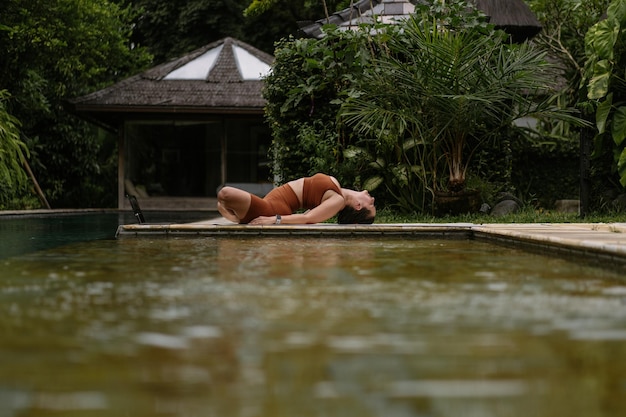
{"type": "Point", "coordinates": [221, 77]}
{"type": "Point", "coordinates": [512, 16]}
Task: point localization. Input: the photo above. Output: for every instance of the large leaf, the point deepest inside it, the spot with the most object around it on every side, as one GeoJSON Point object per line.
{"type": "Point", "coordinates": [372, 183]}
{"type": "Point", "coordinates": [601, 38]}
{"type": "Point", "coordinates": [617, 9]}
{"type": "Point", "coordinates": [378, 163]}
{"type": "Point", "coordinates": [353, 152]}
{"type": "Point", "coordinates": [618, 130]}
{"type": "Point", "coordinates": [602, 113]}
{"type": "Point", "coordinates": [599, 82]}
{"type": "Point", "coordinates": [598, 146]}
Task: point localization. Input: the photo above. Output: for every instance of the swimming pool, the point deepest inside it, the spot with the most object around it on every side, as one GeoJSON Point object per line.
{"type": "Point", "coordinates": [21, 234]}
{"type": "Point", "coordinates": [269, 326]}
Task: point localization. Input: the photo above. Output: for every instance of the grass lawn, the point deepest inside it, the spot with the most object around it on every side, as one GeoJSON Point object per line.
{"type": "Point", "coordinates": [526, 215]}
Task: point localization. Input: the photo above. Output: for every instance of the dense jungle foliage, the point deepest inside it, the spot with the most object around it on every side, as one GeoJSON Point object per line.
{"type": "Point", "coordinates": [52, 50]}
{"type": "Point", "coordinates": [313, 80]}
{"type": "Point", "coordinates": [56, 49]}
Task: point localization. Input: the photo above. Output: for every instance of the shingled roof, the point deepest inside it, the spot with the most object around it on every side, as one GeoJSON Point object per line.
{"type": "Point", "coordinates": [512, 16]}
{"type": "Point", "coordinates": [223, 77]}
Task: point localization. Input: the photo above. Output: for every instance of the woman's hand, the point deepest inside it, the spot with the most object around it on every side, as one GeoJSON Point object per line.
{"type": "Point", "coordinates": [264, 220]}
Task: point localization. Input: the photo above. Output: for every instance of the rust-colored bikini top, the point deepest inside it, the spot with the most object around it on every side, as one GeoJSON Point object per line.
{"type": "Point", "coordinates": [314, 188]}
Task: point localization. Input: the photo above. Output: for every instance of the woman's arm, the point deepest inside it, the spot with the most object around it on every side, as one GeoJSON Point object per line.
{"type": "Point", "coordinates": [327, 209]}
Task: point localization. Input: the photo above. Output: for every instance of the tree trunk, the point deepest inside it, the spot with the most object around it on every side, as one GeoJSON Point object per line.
{"type": "Point", "coordinates": [40, 194]}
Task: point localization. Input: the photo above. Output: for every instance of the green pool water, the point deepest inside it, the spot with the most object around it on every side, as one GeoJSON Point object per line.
{"type": "Point", "coordinates": [26, 234]}
{"type": "Point", "coordinates": [295, 327]}
{"type": "Point", "coordinates": [20, 234]}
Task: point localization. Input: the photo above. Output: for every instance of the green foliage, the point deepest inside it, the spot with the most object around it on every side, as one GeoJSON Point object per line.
{"type": "Point", "coordinates": [453, 89]}
{"type": "Point", "coordinates": [411, 99]}
{"type": "Point", "coordinates": [67, 46]}
{"type": "Point", "coordinates": [396, 171]}
{"type": "Point", "coordinates": [528, 214]}
{"type": "Point", "coordinates": [304, 93]}
{"type": "Point", "coordinates": [552, 158]}
{"type": "Point", "coordinates": [58, 49]}
{"type": "Point", "coordinates": [605, 84]}
{"type": "Point", "coordinates": [259, 6]}
{"type": "Point", "coordinates": [307, 9]}
{"type": "Point", "coordinates": [564, 25]}
{"type": "Point", "coordinates": [170, 29]}
{"type": "Point", "coordinates": [545, 170]}
{"type": "Point", "coordinates": [13, 153]}
{"type": "Point", "coordinates": [265, 25]}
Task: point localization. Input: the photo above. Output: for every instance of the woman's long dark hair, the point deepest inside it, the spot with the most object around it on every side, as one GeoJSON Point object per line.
{"type": "Point", "coordinates": [350, 215]}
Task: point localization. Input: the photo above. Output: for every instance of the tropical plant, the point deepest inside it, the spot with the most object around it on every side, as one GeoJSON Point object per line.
{"type": "Point", "coordinates": [564, 25]}
{"type": "Point", "coordinates": [399, 166]}
{"type": "Point", "coordinates": [13, 152]}
{"type": "Point", "coordinates": [57, 49]}
{"type": "Point", "coordinates": [452, 89]}
{"type": "Point", "coordinates": [604, 81]}
{"type": "Point", "coordinates": [303, 97]}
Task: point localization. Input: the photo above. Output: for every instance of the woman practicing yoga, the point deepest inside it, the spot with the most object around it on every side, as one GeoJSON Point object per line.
{"type": "Point", "coordinates": [320, 195]}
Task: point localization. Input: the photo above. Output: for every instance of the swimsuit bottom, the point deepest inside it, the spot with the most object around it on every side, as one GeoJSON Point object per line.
{"type": "Point", "coordinates": [281, 200]}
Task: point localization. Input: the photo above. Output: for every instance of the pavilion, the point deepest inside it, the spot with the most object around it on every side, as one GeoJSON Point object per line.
{"type": "Point", "coordinates": [188, 126]}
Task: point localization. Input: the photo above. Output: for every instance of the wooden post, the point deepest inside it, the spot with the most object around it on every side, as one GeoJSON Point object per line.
{"type": "Point", "coordinates": [585, 175]}
{"type": "Point", "coordinates": [224, 151]}
{"type": "Point", "coordinates": [40, 193]}
{"type": "Point", "coordinates": [121, 155]}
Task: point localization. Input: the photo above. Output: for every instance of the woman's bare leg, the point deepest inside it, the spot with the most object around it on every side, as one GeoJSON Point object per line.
{"type": "Point", "coordinates": [233, 203]}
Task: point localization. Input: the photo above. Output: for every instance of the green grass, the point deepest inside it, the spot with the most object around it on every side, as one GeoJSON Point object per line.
{"type": "Point", "coordinates": [526, 215]}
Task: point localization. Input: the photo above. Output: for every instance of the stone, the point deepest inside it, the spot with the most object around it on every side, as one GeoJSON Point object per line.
{"type": "Point", "coordinates": [485, 208]}
{"type": "Point", "coordinates": [505, 207]}
{"type": "Point", "coordinates": [567, 206]}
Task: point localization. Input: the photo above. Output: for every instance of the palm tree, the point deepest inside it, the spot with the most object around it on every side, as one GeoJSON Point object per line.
{"type": "Point", "coordinates": [452, 90]}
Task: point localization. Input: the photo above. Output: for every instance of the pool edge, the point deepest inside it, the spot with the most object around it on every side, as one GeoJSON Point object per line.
{"type": "Point", "coordinates": [601, 242]}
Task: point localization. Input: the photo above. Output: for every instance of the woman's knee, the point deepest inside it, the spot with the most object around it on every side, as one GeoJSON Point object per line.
{"type": "Point", "coordinates": [227, 194]}
{"type": "Point", "coordinates": [234, 199]}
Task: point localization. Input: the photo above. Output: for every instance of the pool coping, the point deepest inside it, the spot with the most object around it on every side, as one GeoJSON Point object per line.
{"type": "Point", "coordinates": [602, 243]}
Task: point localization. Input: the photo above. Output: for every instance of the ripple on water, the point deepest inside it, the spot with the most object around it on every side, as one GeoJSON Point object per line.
{"type": "Point", "coordinates": [163, 341]}
{"type": "Point", "coordinates": [408, 327]}
{"type": "Point", "coordinates": [74, 401]}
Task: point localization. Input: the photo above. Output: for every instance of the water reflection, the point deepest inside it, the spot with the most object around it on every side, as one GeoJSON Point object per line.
{"type": "Point", "coordinates": [308, 327]}
{"type": "Point", "coordinates": [25, 234]}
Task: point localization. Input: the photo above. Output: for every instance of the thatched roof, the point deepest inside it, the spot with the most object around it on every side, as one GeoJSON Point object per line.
{"type": "Point", "coordinates": [512, 16]}
{"type": "Point", "coordinates": [224, 77]}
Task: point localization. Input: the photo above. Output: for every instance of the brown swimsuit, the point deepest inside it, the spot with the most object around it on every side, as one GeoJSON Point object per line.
{"type": "Point", "coordinates": [284, 201]}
